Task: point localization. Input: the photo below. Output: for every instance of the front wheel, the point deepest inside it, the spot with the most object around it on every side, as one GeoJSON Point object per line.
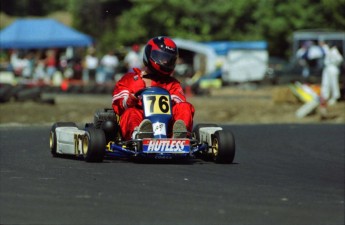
{"type": "Point", "coordinates": [223, 147]}
{"type": "Point", "coordinates": [94, 144]}
{"type": "Point", "coordinates": [52, 137]}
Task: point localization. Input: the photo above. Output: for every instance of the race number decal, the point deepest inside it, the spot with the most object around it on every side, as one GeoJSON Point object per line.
{"type": "Point", "coordinates": [166, 145]}
{"type": "Point", "coordinates": [156, 104]}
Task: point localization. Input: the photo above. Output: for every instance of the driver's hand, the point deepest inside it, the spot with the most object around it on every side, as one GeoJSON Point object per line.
{"type": "Point", "coordinates": [132, 100]}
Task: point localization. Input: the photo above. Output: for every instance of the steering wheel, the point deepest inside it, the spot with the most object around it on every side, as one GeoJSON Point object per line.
{"type": "Point", "coordinates": [138, 93]}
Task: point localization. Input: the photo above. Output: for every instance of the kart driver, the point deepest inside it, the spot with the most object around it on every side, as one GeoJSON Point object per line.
{"type": "Point", "coordinates": [159, 58]}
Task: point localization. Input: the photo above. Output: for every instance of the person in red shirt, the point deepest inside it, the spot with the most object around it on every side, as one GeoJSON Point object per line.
{"type": "Point", "coordinates": [159, 58]}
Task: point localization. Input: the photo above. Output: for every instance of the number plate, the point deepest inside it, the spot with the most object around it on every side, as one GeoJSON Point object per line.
{"type": "Point", "coordinates": [156, 104]}
{"type": "Point", "coordinates": [166, 145]}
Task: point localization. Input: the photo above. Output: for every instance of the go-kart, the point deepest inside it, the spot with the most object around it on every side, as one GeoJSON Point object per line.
{"type": "Point", "coordinates": [102, 138]}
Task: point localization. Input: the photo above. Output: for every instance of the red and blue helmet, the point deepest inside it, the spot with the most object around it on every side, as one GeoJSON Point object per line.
{"type": "Point", "coordinates": [160, 55]}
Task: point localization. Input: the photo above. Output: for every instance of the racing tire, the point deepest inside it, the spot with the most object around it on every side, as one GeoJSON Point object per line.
{"type": "Point", "coordinates": [94, 145]}
{"type": "Point", "coordinates": [52, 138]}
{"type": "Point", "coordinates": [29, 94]}
{"type": "Point", "coordinates": [223, 147]}
{"type": "Point", "coordinates": [49, 101]}
{"type": "Point", "coordinates": [5, 92]}
{"type": "Point", "coordinates": [198, 126]}
{"type": "Point", "coordinates": [102, 115]}
{"type": "Point", "coordinates": [18, 92]}
{"type": "Point", "coordinates": [106, 119]}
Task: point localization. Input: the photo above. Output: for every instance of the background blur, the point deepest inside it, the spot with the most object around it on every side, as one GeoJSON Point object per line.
{"type": "Point", "coordinates": [117, 23]}
{"type": "Point", "coordinates": [221, 43]}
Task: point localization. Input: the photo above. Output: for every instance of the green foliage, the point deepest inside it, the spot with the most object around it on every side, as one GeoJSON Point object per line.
{"type": "Point", "coordinates": [31, 7]}
{"type": "Point", "coordinates": [86, 16]}
{"type": "Point", "coordinates": [115, 23]}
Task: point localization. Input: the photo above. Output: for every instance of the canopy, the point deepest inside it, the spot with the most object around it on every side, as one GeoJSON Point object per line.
{"type": "Point", "coordinates": [41, 33]}
{"type": "Point", "coordinates": [201, 48]}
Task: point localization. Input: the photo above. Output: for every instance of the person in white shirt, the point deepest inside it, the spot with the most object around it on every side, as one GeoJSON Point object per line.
{"type": "Point", "coordinates": [91, 65]}
{"type": "Point", "coordinates": [109, 63]}
{"type": "Point", "coordinates": [133, 59]}
{"type": "Point", "coordinates": [330, 90]}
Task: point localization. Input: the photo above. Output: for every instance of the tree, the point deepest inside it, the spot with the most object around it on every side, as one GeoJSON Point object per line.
{"type": "Point", "coordinates": [114, 23]}
{"type": "Point", "coordinates": [31, 7]}
{"type": "Point", "coordinates": [203, 20]}
{"type": "Point", "coordinates": [98, 17]}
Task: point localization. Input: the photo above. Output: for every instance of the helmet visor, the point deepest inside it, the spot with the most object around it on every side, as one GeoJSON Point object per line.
{"type": "Point", "coordinates": [164, 59]}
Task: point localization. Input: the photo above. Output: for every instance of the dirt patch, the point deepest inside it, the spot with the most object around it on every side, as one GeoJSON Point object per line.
{"type": "Point", "coordinates": [271, 104]}
{"type": "Point", "coordinates": [234, 105]}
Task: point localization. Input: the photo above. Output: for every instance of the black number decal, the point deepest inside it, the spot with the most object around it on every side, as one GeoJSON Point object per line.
{"type": "Point", "coordinates": [151, 98]}
{"type": "Point", "coordinates": [163, 104]}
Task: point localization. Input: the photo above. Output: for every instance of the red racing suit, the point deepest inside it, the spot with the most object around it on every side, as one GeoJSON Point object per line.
{"type": "Point", "coordinates": [131, 117]}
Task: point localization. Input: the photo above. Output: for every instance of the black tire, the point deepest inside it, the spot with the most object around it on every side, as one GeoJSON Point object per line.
{"type": "Point", "coordinates": [29, 94]}
{"type": "Point", "coordinates": [107, 120]}
{"type": "Point", "coordinates": [198, 126]}
{"type": "Point", "coordinates": [49, 101]}
{"type": "Point", "coordinates": [18, 88]}
{"type": "Point", "coordinates": [102, 115]}
{"type": "Point", "coordinates": [52, 138]}
{"type": "Point", "coordinates": [6, 92]}
{"type": "Point", "coordinates": [223, 147]}
{"type": "Point", "coordinates": [94, 145]}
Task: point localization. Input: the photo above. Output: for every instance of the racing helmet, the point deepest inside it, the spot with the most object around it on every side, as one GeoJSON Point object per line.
{"type": "Point", "coordinates": [160, 55]}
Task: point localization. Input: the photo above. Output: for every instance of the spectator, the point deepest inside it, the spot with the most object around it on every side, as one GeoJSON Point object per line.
{"type": "Point", "coordinates": [330, 90]}
{"type": "Point", "coordinates": [28, 66]}
{"type": "Point", "coordinates": [16, 62]}
{"type": "Point", "coordinates": [77, 66]}
{"type": "Point", "coordinates": [109, 63]}
{"type": "Point", "coordinates": [39, 70]}
{"type": "Point", "coordinates": [50, 64]}
{"type": "Point", "coordinates": [302, 57]}
{"type": "Point", "coordinates": [91, 65]}
{"type": "Point", "coordinates": [132, 59]}
{"type": "Point", "coordinates": [315, 57]}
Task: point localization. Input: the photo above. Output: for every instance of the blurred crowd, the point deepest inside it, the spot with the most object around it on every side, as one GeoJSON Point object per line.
{"type": "Point", "coordinates": [85, 65]}
{"type": "Point", "coordinates": [313, 57]}
{"type": "Point", "coordinates": [326, 58]}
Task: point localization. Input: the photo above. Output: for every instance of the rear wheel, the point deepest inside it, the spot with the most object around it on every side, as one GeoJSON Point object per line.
{"type": "Point", "coordinates": [52, 137]}
{"type": "Point", "coordinates": [223, 147]}
{"type": "Point", "coordinates": [94, 144]}
{"type": "Point", "coordinates": [107, 120]}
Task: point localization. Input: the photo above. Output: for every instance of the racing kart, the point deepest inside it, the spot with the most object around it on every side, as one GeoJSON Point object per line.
{"type": "Point", "coordinates": [102, 138]}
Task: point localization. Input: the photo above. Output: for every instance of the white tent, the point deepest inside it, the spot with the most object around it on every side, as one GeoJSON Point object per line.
{"type": "Point", "coordinates": [197, 47]}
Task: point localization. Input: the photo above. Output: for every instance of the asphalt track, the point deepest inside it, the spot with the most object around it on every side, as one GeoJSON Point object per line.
{"type": "Point", "coordinates": [283, 174]}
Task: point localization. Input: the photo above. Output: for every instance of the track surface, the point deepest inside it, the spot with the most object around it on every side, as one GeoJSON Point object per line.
{"type": "Point", "coordinates": [283, 174]}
